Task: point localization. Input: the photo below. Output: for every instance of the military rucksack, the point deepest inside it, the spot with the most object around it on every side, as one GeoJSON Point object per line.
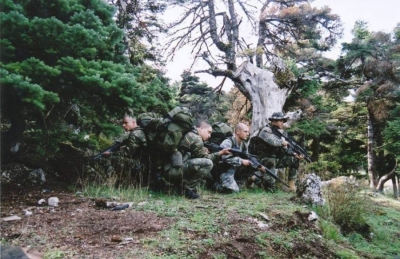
{"type": "Point", "coordinates": [164, 133]}
{"type": "Point", "coordinates": [258, 146]}
{"type": "Point", "coordinates": [220, 132]}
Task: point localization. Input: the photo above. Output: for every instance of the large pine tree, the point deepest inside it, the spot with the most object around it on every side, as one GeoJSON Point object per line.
{"type": "Point", "coordinates": [63, 77]}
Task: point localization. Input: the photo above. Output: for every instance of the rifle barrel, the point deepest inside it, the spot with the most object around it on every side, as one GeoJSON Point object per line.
{"type": "Point", "coordinates": [253, 160]}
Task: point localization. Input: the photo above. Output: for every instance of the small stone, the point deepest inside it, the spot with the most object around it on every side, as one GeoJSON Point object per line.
{"type": "Point", "coordinates": [264, 216]}
{"type": "Point", "coordinates": [11, 218]}
{"type": "Point", "coordinates": [53, 201]}
{"type": "Point", "coordinates": [262, 225]}
{"type": "Point", "coordinates": [41, 201]}
{"type": "Point", "coordinates": [313, 216]}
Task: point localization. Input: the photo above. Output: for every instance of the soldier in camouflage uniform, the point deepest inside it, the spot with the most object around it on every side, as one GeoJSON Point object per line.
{"type": "Point", "coordinates": [132, 155]}
{"type": "Point", "coordinates": [197, 161]}
{"type": "Point", "coordinates": [227, 183]}
{"type": "Point", "coordinates": [272, 152]}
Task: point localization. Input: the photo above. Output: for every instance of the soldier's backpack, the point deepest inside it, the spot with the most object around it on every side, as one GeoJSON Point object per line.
{"type": "Point", "coordinates": [164, 133]}
{"type": "Point", "coordinates": [220, 132]}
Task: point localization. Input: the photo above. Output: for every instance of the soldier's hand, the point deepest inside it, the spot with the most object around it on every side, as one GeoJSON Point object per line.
{"type": "Point", "coordinates": [262, 169]}
{"type": "Point", "coordinates": [246, 162]}
{"type": "Point", "coordinates": [285, 143]}
{"type": "Point", "coordinates": [224, 151]}
{"type": "Point", "coordinates": [301, 156]}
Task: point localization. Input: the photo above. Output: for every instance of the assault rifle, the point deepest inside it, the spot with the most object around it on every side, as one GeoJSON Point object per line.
{"type": "Point", "coordinates": [294, 147]}
{"type": "Point", "coordinates": [114, 147]}
{"type": "Point", "coordinates": [252, 158]}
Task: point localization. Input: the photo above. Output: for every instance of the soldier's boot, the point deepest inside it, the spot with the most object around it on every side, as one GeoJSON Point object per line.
{"type": "Point", "coordinates": [191, 194]}
{"type": "Point", "coordinates": [292, 186]}
{"type": "Point", "coordinates": [250, 183]}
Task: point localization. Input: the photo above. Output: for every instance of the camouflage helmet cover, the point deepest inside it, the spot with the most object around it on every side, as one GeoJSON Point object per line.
{"type": "Point", "coordinates": [278, 116]}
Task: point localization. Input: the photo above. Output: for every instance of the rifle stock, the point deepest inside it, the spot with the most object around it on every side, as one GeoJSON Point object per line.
{"type": "Point", "coordinates": [296, 148]}
{"type": "Point", "coordinates": [252, 158]}
{"type": "Point", "coordinates": [114, 147]}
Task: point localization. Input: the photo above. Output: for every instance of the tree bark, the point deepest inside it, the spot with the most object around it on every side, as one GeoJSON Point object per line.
{"type": "Point", "coordinates": [266, 96]}
{"type": "Point", "coordinates": [395, 187]}
{"type": "Point", "coordinates": [383, 180]}
{"type": "Point", "coordinates": [373, 177]}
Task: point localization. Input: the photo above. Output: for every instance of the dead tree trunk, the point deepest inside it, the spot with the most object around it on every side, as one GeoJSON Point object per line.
{"type": "Point", "coordinates": [266, 96]}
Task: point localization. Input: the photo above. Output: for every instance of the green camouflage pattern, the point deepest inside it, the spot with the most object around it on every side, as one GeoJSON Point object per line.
{"type": "Point", "coordinates": [272, 155]}
{"type": "Point", "coordinates": [131, 162]}
{"type": "Point", "coordinates": [135, 143]}
{"type": "Point", "coordinates": [197, 162]}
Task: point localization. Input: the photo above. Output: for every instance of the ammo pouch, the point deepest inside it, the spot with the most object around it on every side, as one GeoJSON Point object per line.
{"type": "Point", "coordinates": [177, 159]}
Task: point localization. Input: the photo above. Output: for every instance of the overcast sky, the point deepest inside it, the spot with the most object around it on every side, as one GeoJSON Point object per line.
{"type": "Point", "coordinates": [381, 15]}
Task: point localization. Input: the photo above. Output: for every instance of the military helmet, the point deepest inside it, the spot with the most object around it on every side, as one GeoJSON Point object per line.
{"type": "Point", "coordinates": [278, 116]}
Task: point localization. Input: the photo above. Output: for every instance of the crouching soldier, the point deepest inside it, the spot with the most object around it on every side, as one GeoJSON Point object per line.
{"type": "Point", "coordinates": [197, 161]}
{"type": "Point", "coordinates": [131, 157]}
{"type": "Point", "coordinates": [232, 164]}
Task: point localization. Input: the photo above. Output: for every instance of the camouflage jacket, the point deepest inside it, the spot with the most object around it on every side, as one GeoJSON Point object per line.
{"type": "Point", "coordinates": [266, 143]}
{"type": "Point", "coordinates": [134, 144]}
{"type": "Point", "coordinates": [232, 143]}
{"type": "Point", "coordinates": [192, 146]}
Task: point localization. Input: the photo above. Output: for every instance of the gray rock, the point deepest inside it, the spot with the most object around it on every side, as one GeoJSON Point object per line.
{"type": "Point", "coordinates": [309, 189]}
{"type": "Point", "coordinates": [12, 252]}
{"type": "Point", "coordinates": [37, 176]}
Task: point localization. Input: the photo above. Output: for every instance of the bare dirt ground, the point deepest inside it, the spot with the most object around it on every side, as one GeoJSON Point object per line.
{"type": "Point", "coordinates": [80, 229]}
{"type": "Point", "coordinates": [76, 225]}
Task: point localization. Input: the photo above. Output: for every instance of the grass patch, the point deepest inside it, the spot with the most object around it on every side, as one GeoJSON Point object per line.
{"type": "Point", "coordinates": [330, 231]}
{"type": "Point", "coordinates": [122, 194]}
{"type": "Point", "coordinates": [384, 241]}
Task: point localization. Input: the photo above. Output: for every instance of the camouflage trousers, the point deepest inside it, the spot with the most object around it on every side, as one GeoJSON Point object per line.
{"type": "Point", "coordinates": [227, 181]}
{"type": "Point", "coordinates": [191, 174]}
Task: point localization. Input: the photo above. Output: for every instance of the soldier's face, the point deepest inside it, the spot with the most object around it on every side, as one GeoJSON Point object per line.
{"type": "Point", "coordinates": [129, 124]}
{"type": "Point", "coordinates": [243, 134]}
{"type": "Point", "coordinates": [278, 123]}
{"type": "Point", "coordinates": [205, 133]}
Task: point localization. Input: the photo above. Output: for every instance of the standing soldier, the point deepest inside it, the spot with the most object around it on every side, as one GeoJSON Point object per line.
{"type": "Point", "coordinates": [197, 161]}
{"type": "Point", "coordinates": [273, 152]}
